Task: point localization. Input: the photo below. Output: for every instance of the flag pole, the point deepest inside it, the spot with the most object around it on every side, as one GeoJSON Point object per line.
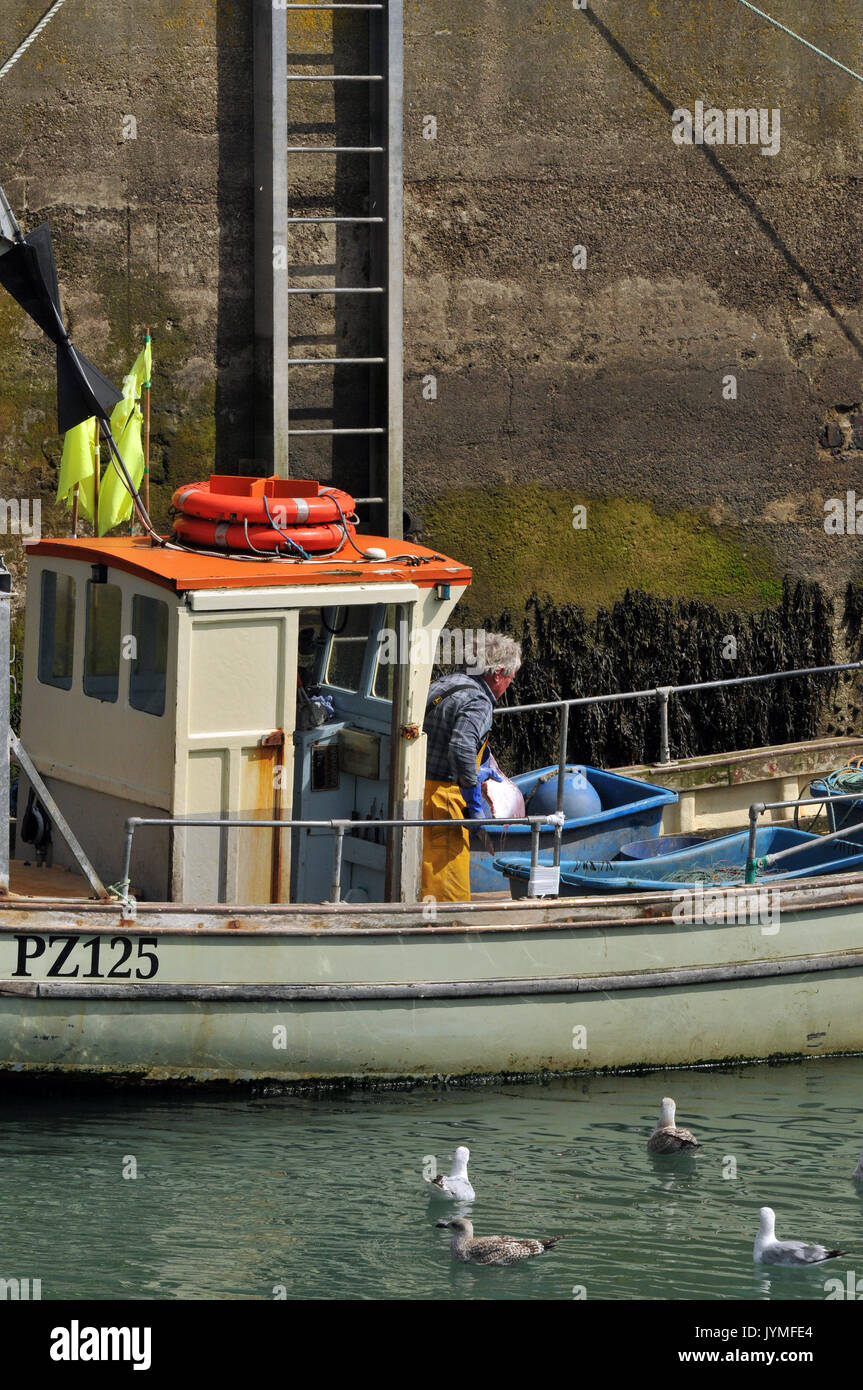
{"type": "Point", "coordinates": [75, 512]}
{"type": "Point", "coordinates": [98, 465]}
{"type": "Point", "coordinates": [145, 391]}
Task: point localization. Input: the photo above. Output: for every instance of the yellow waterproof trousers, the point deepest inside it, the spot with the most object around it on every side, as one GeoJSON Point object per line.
{"type": "Point", "coordinates": [446, 853]}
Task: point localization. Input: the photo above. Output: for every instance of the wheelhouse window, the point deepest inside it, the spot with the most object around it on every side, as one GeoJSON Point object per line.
{"type": "Point", "coordinates": [312, 644]}
{"type": "Point", "coordinates": [57, 629]}
{"type": "Point", "coordinates": [350, 637]}
{"type": "Point", "coordinates": [385, 662]}
{"type": "Point", "coordinates": [102, 644]}
{"type": "Point", "coordinates": [150, 654]}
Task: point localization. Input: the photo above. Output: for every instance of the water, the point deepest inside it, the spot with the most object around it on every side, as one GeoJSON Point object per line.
{"type": "Point", "coordinates": [321, 1195]}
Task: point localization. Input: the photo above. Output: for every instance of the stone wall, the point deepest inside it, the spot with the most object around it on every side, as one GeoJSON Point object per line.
{"type": "Point", "coordinates": [556, 386]}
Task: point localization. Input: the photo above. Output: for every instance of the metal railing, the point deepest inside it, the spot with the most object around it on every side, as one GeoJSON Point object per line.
{"type": "Point", "coordinates": [754, 861]}
{"type": "Point", "coordinates": [661, 694]}
{"type": "Point", "coordinates": [340, 828]}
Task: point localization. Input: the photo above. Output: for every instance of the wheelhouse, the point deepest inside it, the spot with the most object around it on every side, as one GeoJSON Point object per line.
{"type": "Point", "coordinates": [158, 682]}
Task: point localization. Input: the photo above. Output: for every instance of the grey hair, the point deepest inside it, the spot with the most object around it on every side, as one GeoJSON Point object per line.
{"type": "Point", "coordinates": [497, 650]}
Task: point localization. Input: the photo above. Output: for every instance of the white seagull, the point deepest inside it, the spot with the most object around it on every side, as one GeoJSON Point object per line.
{"type": "Point", "coordinates": [668, 1138]}
{"type": "Point", "coordinates": [492, 1250]}
{"type": "Point", "coordinates": [456, 1183]}
{"type": "Point", "coordinates": [770, 1251]}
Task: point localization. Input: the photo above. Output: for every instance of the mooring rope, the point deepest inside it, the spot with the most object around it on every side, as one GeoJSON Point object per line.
{"type": "Point", "coordinates": [820, 51]}
{"type": "Point", "coordinates": [31, 37]}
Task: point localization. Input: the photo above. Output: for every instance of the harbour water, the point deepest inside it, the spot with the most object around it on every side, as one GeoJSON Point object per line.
{"type": "Point", "coordinates": [321, 1196]}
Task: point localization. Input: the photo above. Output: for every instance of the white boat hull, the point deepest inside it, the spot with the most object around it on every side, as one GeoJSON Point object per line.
{"type": "Point", "coordinates": [373, 993]}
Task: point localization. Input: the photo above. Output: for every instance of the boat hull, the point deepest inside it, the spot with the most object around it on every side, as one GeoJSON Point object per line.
{"type": "Point", "coordinates": [374, 994]}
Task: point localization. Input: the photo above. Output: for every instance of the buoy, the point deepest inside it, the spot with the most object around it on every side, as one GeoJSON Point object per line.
{"type": "Point", "coordinates": [263, 514]}
{"type": "Point", "coordinates": [225, 535]}
{"type": "Point", "coordinates": [580, 798]}
{"type": "Point", "coordinates": [262, 501]}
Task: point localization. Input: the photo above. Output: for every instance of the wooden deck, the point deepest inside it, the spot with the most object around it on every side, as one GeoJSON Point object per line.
{"type": "Point", "coordinates": [32, 881]}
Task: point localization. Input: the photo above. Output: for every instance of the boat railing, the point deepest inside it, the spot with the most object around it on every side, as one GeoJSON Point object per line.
{"type": "Point", "coordinates": [340, 828]}
{"type": "Point", "coordinates": [755, 861]}
{"type": "Point", "coordinates": [662, 695]}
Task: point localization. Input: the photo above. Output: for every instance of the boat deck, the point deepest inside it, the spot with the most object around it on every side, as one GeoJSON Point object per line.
{"type": "Point", "coordinates": [27, 880]}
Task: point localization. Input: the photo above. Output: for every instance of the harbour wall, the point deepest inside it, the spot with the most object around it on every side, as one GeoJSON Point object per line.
{"type": "Point", "coordinates": [563, 379]}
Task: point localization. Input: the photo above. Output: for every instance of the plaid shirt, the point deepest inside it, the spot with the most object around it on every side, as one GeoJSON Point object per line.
{"type": "Point", "coordinates": [456, 727]}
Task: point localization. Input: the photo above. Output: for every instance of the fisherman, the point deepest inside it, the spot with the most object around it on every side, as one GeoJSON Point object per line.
{"type": "Point", "coordinates": [457, 725]}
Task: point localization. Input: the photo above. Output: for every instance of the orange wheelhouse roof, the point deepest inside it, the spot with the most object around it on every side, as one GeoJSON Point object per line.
{"type": "Point", "coordinates": [183, 570]}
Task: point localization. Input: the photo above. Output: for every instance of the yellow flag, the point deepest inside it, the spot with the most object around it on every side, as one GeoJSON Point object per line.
{"type": "Point", "coordinates": [115, 500]}
{"type": "Point", "coordinates": [78, 465]}
{"type": "Point", "coordinates": [143, 368]}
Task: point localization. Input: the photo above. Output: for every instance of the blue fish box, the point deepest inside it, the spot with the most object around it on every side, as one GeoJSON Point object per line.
{"type": "Point", "coordinates": [630, 810]}
{"type": "Point", "coordinates": [718, 863]}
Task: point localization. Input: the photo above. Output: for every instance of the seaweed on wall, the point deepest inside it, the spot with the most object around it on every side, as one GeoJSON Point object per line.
{"type": "Point", "coordinates": [642, 642]}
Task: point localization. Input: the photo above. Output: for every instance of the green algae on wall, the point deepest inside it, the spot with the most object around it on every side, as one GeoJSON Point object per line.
{"type": "Point", "coordinates": [521, 540]}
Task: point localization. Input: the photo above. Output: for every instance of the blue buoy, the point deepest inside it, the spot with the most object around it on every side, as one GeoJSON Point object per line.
{"type": "Point", "coordinates": [580, 799]}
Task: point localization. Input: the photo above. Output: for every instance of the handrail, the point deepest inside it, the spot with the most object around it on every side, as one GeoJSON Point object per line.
{"type": "Point", "coordinates": [340, 828]}
{"type": "Point", "coordinates": [680, 689]}
{"type": "Point", "coordinates": [660, 693]}
{"type": "Point", "coordinates": [764, 861]}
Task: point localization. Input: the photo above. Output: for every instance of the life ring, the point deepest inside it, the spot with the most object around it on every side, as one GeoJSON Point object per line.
{"type": "Point", "coordinates": [263, 501]}
{"type": "Point", "coordinates": [224, 535]}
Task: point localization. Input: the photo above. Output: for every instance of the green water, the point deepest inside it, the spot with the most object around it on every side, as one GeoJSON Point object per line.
{"type": "Point", "coordinates": [322, 1196]}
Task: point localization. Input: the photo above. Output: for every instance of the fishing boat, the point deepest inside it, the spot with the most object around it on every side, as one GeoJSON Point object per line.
{"type": "Point", "coordinates": [220, 787]}
{"type": "Point", "coordinates": [247, 914]}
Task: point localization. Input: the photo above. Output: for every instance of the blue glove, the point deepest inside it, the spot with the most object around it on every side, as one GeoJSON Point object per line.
{"type": "Point", "coordinates": [474, 804]}
{"type": "Point", "coordinates": [486, 772]}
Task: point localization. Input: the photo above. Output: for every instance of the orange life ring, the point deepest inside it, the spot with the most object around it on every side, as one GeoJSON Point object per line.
{"type": "Point", "coordinates": [224, 535]}
{"type": "Point", "coordinates": [289, 501]}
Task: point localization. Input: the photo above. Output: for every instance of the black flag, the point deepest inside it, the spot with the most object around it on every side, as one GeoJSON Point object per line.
{"type": "Point", "coordinates": [29, 272]}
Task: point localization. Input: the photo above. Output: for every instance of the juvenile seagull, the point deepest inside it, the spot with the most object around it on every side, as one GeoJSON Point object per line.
{"type": "Point", "coordinates": [456, 1184]}
{"type": "Point", "coordinates": [667, 1138]}
{"type": "Point", "coordinates": [492, 1250]}
{"type": "Point", "coordinates": [770, 1251]}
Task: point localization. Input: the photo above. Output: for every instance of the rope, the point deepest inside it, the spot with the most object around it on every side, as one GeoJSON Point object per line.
{"type": "Point", "coordinates": [304, 554]}
{"type": "Point", "coordinates": [805, 42]}
{"type": "Point", "coordinates": [31, 37]}
{"type": "Point", "coordinates": [846, 779]}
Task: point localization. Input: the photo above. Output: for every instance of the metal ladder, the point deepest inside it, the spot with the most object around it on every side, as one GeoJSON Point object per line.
{"type": "Point", "coordinates": [365, 455]}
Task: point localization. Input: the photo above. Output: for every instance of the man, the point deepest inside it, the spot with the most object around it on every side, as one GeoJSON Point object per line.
{"type": "Point", "coordinates": [457, 725]}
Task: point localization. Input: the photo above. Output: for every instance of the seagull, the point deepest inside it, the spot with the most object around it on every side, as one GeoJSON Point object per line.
{"type": "Point", "coordinates": [492, 1250]}
{"type": "Point", "coordinates": [456, 1184]}
{"type": "Point", "coordinates": [770, 1251]}
{"type": "Point", "coordinates": [667, 1138]}
{"type": "Point", "coordinates": [858, 1171]}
